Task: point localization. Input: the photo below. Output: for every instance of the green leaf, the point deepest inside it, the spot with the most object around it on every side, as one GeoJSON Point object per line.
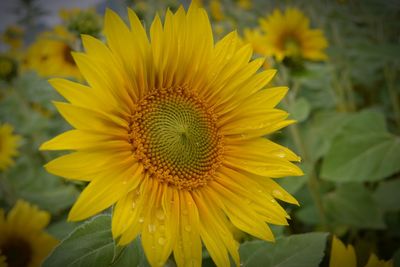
{"type": "Point", "coordinates": [301, 109]}
{"type": "Point", "coordinates": [131, 255]}
{"type": "Point", "coordinates": [320, 132]}
{"type": "Point", "coordinates": [363, 151]}
{"type": "Point", "coordinates": [89, 245]}
{"type": "Point", "coordinates": [353, 205]}
{"type": "Point", "coordinates": [387, 195]}
{"type": "Point", "coordinates": [304, 250]}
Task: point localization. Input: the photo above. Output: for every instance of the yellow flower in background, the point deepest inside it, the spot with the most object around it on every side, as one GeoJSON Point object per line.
{"type": "Point", "coordinates": [289, 35]}
{"type": "Point", "coordinates": [245, 4]}
{"type": "Point", "coordinates": [51, 55]}
{"type": "Point", "coordinates": [170, 129]}
{"type": "Point", "coordinates": [257, 39]}
{"type": "Point", "coordinates": [345, 256]}
{"type": "Point", "coordinates": [81, 21]}
{"type": "Point", "coordinates": [8, 146]}
{"type": "Point", "coordinates": [216, 10]}
{"type": "Point", "coordinates": [13, 36]}
{"type": "Point", "coordinates": [23, 241]}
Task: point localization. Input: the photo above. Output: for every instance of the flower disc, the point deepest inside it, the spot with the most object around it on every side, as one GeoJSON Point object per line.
{"type": "Point", "coordinates": [175, 136]}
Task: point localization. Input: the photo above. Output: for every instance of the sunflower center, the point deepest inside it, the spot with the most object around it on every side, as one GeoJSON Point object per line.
{"type": "Point", "coordinates": [175, 136]}
{"type": "Point", "coordinates": [67, 55]}
{"type": "Point", "coordinates": [291, 45]}
{"type": "Point", "coordinates": [17, 251]}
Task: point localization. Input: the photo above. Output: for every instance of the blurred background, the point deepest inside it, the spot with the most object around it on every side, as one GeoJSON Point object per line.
{"type": "Point", "coordinates": [339, 58]}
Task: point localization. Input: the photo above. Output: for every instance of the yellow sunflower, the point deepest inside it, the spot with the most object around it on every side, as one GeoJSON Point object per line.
{"type": "Point", "coordinates": [289, 35]}
{"type": "Point", "coordinates": [171, 130]}
{"type": "Point", "coordinates": [8, 146]}
{"type": "Point", "coordinates": [51, 55]}
{"type": "Point", "coordinates": [345, 256]}
{"type": "Point", "coordinates": [22, 239]}
{"type": "Point", "coordinates": [216, 10]}
{"type": "Point", "coordinates": [13, 37]}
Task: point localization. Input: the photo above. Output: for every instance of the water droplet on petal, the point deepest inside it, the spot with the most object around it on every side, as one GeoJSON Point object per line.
{"type": "Point", "coordinates": [188, 228]}
{"type": "Point", "coordinates": [141, 220]}
{"type": "Point", "coordinates": [133, 204]}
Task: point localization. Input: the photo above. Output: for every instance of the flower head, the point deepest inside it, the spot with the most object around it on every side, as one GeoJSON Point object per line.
{"type": "Point", "coordinates": [170, 130]}
{"type": "Point", "coordinates": [8, 146]}
{"type": "Point", "coordinates": [13, 36]}
{"type": "Point", "coordinates": [22, 239]}
{"type": "Point", "coordinates": [51, 56]}
{"type": "Point", "coordinates": [82, 21]}
{"type": "Point", "coordinates": [289, 35]}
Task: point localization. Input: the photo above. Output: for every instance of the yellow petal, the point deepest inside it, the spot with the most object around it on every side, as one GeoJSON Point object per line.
{"type": "Point", "coordinates": [239, 213]}
{"type": "Point", "coordinates": [342, 255]}
{"type": "Point", "coordinates": [102, 192]}
{"type": "Point", "coordinates": [86, 119]}
{"type": "Point", "coordinates": [187, 250]}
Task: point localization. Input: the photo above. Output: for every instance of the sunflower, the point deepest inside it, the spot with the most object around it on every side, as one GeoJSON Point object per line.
{"type": "Point", "coordinates": [22, 243]}
{"type": "Point", "coordinates": [342, 255]}
{"type": "Point", "coordinates": [8, 146]}
{"type": "Point", "coordinates": [289, 35]}
{"type": "Point", "coordinates": [13, 37]}
{"type": "Point", "coordinates": [170, 130]}
{"type": "Point", "coordinates": [50, 55]}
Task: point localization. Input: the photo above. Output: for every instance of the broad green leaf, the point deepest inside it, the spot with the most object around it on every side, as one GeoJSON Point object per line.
{"type": "Point", "coordinates": [304, 250]}
{"type": "Point", "coordinates": [363, 151]}
{"type": "Point", "coordinates": [131, 255]}
{"type": "Point", "coordinates": [62, 228]}
{"type": "Point", "coordinates": [353, 205]}
{"type": "Point", "coordinates": [300, 109]}
{"type": "Point", "coordinates": [89, 245]}
{"type": "Point", "coordinates": [321, 130]}
{"type": "Point", "coordinates": [362, 157]}
{"type": "Point", "coordinates": [387, 195]}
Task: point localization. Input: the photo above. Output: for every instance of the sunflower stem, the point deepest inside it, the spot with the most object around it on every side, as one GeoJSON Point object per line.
{"type": "Point", "coordinates": [6, 190]}
{"type": "Point", "coordinates": [312, 181]}
{"type": "Point", "coordinates": [390, 80]}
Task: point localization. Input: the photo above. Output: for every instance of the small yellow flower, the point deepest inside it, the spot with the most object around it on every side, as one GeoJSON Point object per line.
{"type": "Point", "coordinates": [216, 10]}
{"type": "Point", "coordinates": [345, 256]}
{"type": "Point", "coordinates": [257, 39]}
{"type": "Point", "coordinates": [13, 36]}
{"type": "Point", "coordinates": [170, 129]}
{"type": "Point", "coordinates": [82, 21]}
{"type": "Point", "coordinates": [51, 55]}
{"type": "Point", "coordinates": [8, 146]}
{"type": "Point", "coordinates": [245, 4]}
{"type": "Point", "coordinates": [289, 35]}
{"type": "Point", "coordinates": [22, 239]}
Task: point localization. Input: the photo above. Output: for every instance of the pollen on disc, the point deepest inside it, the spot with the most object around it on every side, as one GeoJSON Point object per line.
{"type": "Point", "coordinates": [175, 137]}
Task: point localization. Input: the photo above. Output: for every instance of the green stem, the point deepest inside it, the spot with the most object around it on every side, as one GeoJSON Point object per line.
{"type": "Point", "coordinates": [312, 182]}
{"type": "Point", "coordinates": [6, 190]}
